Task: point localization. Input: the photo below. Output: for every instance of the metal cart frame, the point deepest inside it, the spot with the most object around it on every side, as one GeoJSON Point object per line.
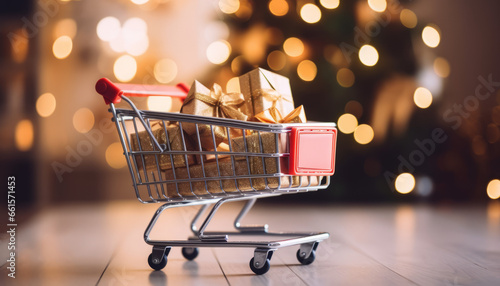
{"type": "Point", "coordinates": [151, 187]}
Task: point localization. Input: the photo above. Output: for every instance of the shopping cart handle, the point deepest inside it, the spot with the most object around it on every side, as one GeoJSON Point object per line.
{"type": "Point", "coordinates": [112, 92]}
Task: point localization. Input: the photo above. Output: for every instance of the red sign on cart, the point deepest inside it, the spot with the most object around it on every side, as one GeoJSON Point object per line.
{"type": "Point", "coordinates": [312, 151]}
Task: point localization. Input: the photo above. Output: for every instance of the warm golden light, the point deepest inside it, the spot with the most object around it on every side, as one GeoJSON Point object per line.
{"type": "Point", "coordinates": [165, 70]}
{"type": "Point", "coordinates": [347, 123]}
{"type": "Point", "coordinates": [422, 97]}
{"type": "Point", "coordinates": [108, 29]}
{"type": "Point", "coordinates": [139, 2]}
{"type": "Point", "coordinates": [345, 77]}
{"type": "Point", "coordinates": [441, 67]}
{"type": "Point", "coordinates": [329, 4]}
{"type": "Point", "coordinates": [218, 52]}
{"type": "Point", "coordinates": [377, 5]}
{"type": "Point", "coordinates": [62, 47]}
{"type": "Point", "coordinates": [65, 27]}
{"type": "Point", "coordinates": [229, 6]}
{"type": "Point", "coordinates": [233, 85]}
{"type": "Point", "coordinates": [404, 183]}
{"type": "Point", "coordinates": [363, 134]}
{"type": "Point", "coordinates": [431, 36]}
{"type": "Point", "coordinates": [125, 68]}
{"type": "Point", "coordinates": [408, 18]}
{"type": "Point", "coordinates": [368, 55]}
{"type": "Point", "coordinates": [46, 104]}
{"type": "Point", "coordinates": [276, 60]}
{"type": "Point", "coordinates": [137, 48]}
{"type": "Point", "coordinates": [310, 13]}
{"type": "Point", "coordinates": [278, 7]}
{"type": "Point", "coordinates": [160, 103]}
{"type": "Point", "coordinates": [83, 120]}
{"type": "Point", "coordinates": [493, 189]}
{"type": "Point", "coordinates": [293, 47]}
{"type": "Point", "coordinates": [114, 156]}
{"type": "Point", "coordinates": [24, 135]}
{"type": "Point", "coordinates": [307, 70]}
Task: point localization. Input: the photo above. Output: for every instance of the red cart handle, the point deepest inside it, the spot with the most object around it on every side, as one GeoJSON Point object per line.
{"type": "Point", "coordinates": [112, 92]}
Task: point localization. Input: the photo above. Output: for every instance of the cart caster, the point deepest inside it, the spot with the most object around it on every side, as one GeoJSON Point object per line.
{"type": "Point", "coordinates": [159, 265]}
{"type": "Point", "coordinates": [190, 253]}
{"type": "Point", "coordinates": [303, 260]}
{"type": "Point", "coordinates": [261, 270]}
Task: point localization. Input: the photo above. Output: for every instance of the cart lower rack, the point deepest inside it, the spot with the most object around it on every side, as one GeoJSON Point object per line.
{"type": "Point", "coordinates": [254, 160]}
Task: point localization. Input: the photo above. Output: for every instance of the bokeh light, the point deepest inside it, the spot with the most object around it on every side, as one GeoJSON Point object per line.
{"type": "Point", "coordinates": [160, 103]}
{"type": "Point", "coordinates": [233, 85]}
{"type": "Point", "coordinates": [125, 68]}
{"type": "Point", "coordinates": [229, 6]}
{"type": "Point", "coordinates": [62, 47]}
{"type": "Point", "coordinates": [377, 5]}
{"type": "Point", "coordinates": [493, 189]}
{"type": "Point", "coordinates": [276, 60]}
{"type": "Point", "coordinates": [24, 135]}
{"type": "Point", "coordinates": [422, 97]}
{"type": "Point", "coordinates": [310, 13]}
{"type": "Point", "coordinates": [363, 134]}
{"type": "Point", "coordinates": [139, 2]}
{"type": "Point", "coordinates": [293, 47]}
{"type": "Point", "coordinates": [46, 104]}
{"type": "Point", "coordinates": [330, 4]}
{"type": "Point", "coordinates": [278, 7]}
{"type": "Point", "coordinates": [307, 70]}
{"type": "Point", "coordinates": [431, 37]}
{"type": "Point", "coordinates": [441, 67]}
{"type": "Point", "coordinates": [83, 120]}
{"type": "Point", "coordinates": [408, 18]}
{"type": "Point", "coordinates": [404, 183]}
{"type": "Point", "coordinates": [368, 55]}
{"type": "Point", "coordinates": [345, 77]}
{"type": "Point", "coordinates": [165, 70]}
{"type": "Point", "coordinates": [347, 123]}
{"type": "Point", "coordinates": [114, 156]}
{"type": "Point", "coordinates": [65, 27]}
{"type": "Point", "coordinates": [108, 29]}
{"type": "Point", "coordinates": [218, 52]}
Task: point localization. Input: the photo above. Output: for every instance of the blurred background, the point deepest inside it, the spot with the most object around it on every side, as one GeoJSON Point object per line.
{"type": "Point", "coordinates": [413, 86]}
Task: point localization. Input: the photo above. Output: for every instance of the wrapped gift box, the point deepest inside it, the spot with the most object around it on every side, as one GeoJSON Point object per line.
{"type": "Point", "coordinates": [213, 103]}
{"type": "Point", "coordinates": [175, 144]}
{"type": "Point", "coordinates": [268, 165]}
{"type": "Point", "coordinates": [262, 90]}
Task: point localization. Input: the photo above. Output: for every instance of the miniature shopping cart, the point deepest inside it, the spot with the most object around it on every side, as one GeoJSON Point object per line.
{"type": "Point", "coordinates": [260, 160]}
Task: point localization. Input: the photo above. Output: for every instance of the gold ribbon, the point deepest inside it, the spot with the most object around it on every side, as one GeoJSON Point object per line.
{"type": "Point", "coordinates": [225, 104]}
{"type": "Point", "coordinates": [269, 94]}
{"type": "Point", "coordinates": [273, 115]}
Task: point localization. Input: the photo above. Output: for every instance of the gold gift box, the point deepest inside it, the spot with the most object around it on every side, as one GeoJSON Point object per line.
{"type": "Point", "coordinates": [212, 103]}
{"type": "Point", "coordinates": [147, 144]}
{"type": "Point", "coordinates": [255, 85]}
{"type": "Point", "coordinates": [215, 184]}
{"type": "Point", "coordinates": [269, 165]}
{"type": "Point", "coordinates": [211, 177]}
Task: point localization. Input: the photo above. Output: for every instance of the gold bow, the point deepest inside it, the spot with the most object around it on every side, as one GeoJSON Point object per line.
{"type": "Point", "coordinates": [225, 104]}
{"type": "Point", "coordinates": [273, 115]}
{"type": "Point", "coordinates": [269, 94]}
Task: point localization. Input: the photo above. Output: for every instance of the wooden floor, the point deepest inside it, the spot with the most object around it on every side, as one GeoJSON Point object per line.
{"type": "Point", "coordinates": [369, 245]}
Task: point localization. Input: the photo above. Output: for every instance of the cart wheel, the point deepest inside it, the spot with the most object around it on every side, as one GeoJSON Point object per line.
{"type": "Point", "coordinates": [157, 266]}
{"type": "Point", "coordinates": [308, 260]}
{"type": "Point", "coordinates": [190, 253]}
{"type": "Point", "coordinates": [263, 269]}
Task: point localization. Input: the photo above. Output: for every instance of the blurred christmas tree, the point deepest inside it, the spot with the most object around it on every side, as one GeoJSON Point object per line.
{"type": "Point", "coordinates": [367, 65]}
